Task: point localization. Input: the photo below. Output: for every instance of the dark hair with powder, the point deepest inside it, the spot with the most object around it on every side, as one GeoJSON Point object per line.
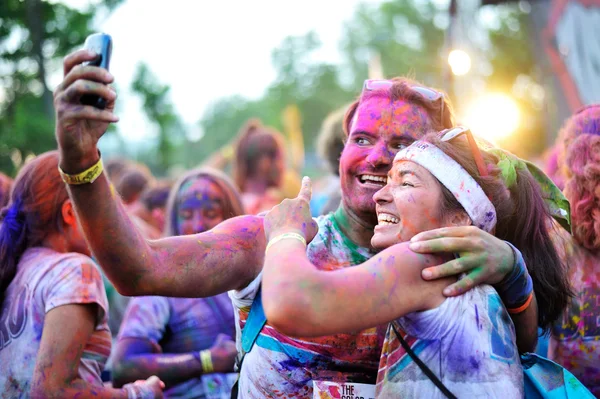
{"type": "Point", "coordinates": [232, 205]}
{"type": "Point", "coordinates": [33, 213]}
{"type": "Point", "coordinates": [440, 113]}
{"type": "Point", "coordinates": [522, 219]}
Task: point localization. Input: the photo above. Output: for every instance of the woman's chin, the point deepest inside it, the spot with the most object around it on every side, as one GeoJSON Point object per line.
{"type": "Point", "coordinates": [382, 241]}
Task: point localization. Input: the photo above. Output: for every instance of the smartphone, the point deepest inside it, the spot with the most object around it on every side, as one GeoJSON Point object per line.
{"type": "Point", "coordinates": [101, 44]}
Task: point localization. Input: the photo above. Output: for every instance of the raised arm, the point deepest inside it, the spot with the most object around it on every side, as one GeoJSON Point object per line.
{"type": "Point", "coordinates": [387, 286]}
{"type": "Point", "coordinates": [384, 288]}
{"type": "Point", "coordinates": [227, 257]}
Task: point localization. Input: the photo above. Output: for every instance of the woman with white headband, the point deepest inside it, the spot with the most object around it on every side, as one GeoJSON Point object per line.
{"type": "Point", "coordinates": [466, 343]}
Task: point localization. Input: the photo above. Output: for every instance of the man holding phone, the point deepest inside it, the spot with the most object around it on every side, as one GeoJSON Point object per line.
{"type": "Point", "coordinates": [230, 256]}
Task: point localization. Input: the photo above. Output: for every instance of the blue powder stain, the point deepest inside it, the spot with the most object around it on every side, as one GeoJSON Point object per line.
{"type": "Point", "coordinates": [474, 362]}
{"type": "Point", "coordinates": [477, 317]}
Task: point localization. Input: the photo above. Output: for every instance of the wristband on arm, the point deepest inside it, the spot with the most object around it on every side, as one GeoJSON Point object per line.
{"type": "Point", "coordinates": [205, 359]}
{"type": "Point", "coordinates": [516, 289]}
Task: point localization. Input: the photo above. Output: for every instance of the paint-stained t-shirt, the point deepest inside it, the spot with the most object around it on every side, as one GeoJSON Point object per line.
{"type": "Point", "coordinates": [179, 325]}
{"type": "Point", "coordinates": [468, 342]}
{"type": "Point", "coordinates": [575, 340]}
{"type": "Point", "coordinates": [279, 366]}
{"type": "Point", "coordinates": [46, 279]}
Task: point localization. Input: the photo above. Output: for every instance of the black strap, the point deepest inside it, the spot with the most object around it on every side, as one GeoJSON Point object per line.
{"type": "Point", "coordinates": [422, 365]}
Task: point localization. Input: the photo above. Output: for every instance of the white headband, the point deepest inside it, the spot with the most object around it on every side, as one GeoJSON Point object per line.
{"type": "Point", "coordinates": [456, 179]}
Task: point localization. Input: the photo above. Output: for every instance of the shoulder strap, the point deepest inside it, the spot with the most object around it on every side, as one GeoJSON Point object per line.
{"type": "Point", "coordinates": [254, 323]}
{"type": "Point", "coordinates": [422, 365]}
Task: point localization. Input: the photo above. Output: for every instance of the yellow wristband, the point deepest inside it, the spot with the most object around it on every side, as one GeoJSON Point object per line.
{"type": "Point", "coordinates": [87, 176]}
{"type": "Point", "coordinates": [206, 359]}
{"type": "Point", "coordinates": [285, 236]}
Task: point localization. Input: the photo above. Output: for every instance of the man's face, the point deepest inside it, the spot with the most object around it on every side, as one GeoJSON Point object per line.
{"type": "Point", "coordinates": [379, 129]}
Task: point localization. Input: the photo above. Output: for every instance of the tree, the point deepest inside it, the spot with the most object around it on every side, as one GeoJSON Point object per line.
{"type": "Point", "coordinates": [314, 88]}
{"type": "Point", "coordinates": [402, 32]}
{"type": "Point", "coordinates": [159, 109]}
{"type": "Point", "coordinates": [34, 36]}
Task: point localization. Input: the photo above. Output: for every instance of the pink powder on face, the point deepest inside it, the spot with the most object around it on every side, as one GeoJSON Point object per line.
{"type": "Point", "coordinates": [378, 114]}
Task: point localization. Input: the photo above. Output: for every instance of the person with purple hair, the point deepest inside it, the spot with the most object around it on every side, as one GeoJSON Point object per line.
{"type": "Point", "coordinates": [575, 339]}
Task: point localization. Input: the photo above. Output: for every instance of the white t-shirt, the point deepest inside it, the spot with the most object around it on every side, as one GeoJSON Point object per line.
{"type": "Point", "coordinates": [46, 279]}
{"type": "Point", "coordinates": [279, 366]}
{"type": "Point", "coordinates": [468, 342]}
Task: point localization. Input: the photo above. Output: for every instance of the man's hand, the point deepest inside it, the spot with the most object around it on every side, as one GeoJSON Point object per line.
{"type": "Point", "coordinates": [485, 258]}
{"type": "Point", "coordinates": [292, 215]}
{"type": "Point", "coordinates": [79, 127]}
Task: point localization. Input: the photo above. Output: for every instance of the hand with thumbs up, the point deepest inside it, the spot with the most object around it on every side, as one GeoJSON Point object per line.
{"type": "Point", "coordinates": [292, 216]}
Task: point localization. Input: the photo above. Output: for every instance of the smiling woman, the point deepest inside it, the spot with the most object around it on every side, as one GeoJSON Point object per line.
{"type": "Point", "coordinates": [469, 341]}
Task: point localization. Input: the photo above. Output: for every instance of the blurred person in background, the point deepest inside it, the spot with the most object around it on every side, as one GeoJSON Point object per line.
{"type": "Point", "coordinates": [164, 336]}
{"type": "Point", "coordinates": [5, 186]}
{"type": "Point", "coordinates": [258, 157]}
{"type": "Point", "coordinates": [153, 203]}
{"type": "Point", "coordinates": [191, 266]}
{"type": "Point", "coordinates": [330, 144]}
{"type": "Point", "coordinates": [575, 340]}
{"type": "Point", "coordinates": [54, 336]}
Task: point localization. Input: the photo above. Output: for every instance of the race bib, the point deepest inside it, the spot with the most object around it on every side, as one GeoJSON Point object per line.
{"type": "Point", "coordinates": [217, 385]}
{"type": "Point", "coordinates": [347, 390]}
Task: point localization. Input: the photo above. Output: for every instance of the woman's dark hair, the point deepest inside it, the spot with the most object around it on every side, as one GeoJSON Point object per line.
{"type": "Point", "coordinates": [33, 213]}
{"type": "Point", "coordinates": [232, 205]}
{"type": "Point", "coordinates": [523, 219]}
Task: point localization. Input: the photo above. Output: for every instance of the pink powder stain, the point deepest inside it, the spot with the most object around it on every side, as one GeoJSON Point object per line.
{"type": "Point", "coordinates": [379, 114]}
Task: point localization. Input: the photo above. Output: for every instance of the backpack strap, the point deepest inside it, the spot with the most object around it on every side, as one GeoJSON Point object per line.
{"type": "Point", "coordinates": [254, 323]}
{"type": "Point", "coordinates": [426, 370]}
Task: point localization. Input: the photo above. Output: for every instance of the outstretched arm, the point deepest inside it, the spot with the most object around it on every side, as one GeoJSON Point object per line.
{"type": "Point", "coordinates": [301, 300]}
{"type": "Point", "coordinates": [139, 358]}
{"type": "Point", "coordinates": [227, 257]}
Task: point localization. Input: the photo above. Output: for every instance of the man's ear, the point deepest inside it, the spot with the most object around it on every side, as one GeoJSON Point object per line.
{"type": "Point", "coordinates": [459, 218]}
{"type": "Point", "coordinates": [68, 213]}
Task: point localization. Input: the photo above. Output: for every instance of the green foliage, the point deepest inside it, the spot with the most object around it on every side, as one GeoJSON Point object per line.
{"type": "Point", "coordinates": [401, 32]}
{"type": "Point", "coordinates": [160, 110]}
{"type": "Point", "coordinates": [34, 37]}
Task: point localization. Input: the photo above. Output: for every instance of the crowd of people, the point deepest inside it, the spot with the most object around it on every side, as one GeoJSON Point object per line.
{"type": "Point", "coordinates": [423, 265]}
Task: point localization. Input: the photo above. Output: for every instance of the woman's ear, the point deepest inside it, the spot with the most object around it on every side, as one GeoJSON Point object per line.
{"type": "Point", "coordinates": [459, 218]}
{"type": "Point", "coordinates": [68, 213]}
